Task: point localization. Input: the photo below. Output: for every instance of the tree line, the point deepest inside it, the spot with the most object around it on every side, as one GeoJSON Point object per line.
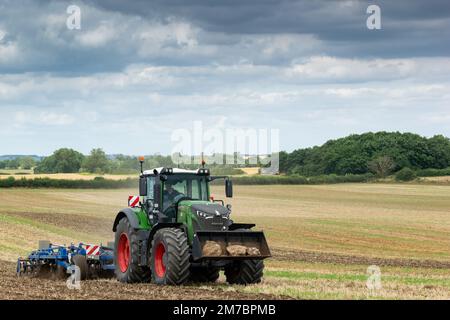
{"type": "Point", "coordinates": [380, 153]}
{"type": "Point", "coordinates": [66, 160]}
{"type": "Point", "coordinates": [25, 163]}
{"type": "Point", "coordinates": [71, 161]}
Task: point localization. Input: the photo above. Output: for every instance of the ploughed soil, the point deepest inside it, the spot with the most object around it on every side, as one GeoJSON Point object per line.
{"type": "Point", "coordinates": [47, 287]}
{"type": "Point", "coordinates": [324, 257]}
{"type": "Point", "coordinates": [25, 287]}
{"type": "Point", "coordinates": [100, 226]}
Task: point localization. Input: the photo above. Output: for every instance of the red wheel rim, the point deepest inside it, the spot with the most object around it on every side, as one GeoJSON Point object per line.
{"type": "Point", "coordinates": [123, 252]}
{"type": "Point", "coordinates": [160, 266]}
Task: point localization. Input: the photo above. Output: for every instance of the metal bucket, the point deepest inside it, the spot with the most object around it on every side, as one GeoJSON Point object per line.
{"type": "Point", "coordinates": [249, 239]}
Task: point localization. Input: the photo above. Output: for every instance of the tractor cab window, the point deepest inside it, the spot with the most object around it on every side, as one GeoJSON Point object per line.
{"type": "Point", "coordinates": [199, 191]}
{"type": "Point", "coordinates": [188, 186]}
{"type": "Point", "coordinates": [150, 187]}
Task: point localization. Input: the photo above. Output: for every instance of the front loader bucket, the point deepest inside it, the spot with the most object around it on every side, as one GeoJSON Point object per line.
{"type": "Point", "coordinates": [248, 239]}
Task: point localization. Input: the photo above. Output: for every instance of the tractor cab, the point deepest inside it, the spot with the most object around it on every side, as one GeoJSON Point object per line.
{"type": "Point", "coordinates": [167, 190]}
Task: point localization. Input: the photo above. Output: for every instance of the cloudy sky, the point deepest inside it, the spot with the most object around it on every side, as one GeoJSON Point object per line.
{"type": "Point", "coordinates": [138, 70]}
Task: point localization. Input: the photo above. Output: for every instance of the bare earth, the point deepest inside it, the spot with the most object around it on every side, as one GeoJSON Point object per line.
{"type": "Point", "coordinates": [323, 239]}
{"type": "Point", "coordinates": [14, 288]}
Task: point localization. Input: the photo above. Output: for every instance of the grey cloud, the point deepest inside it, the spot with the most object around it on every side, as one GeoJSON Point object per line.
{"type": "Point", "coordinates": [309, 68]}
{"type": "Point", "coordinates": [342, 23]}
{"type": "Point", "coordinates": [222, 32]}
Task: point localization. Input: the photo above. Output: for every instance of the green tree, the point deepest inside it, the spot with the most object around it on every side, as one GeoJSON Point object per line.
{"type": "Point", "coordinates": [27, 163]}
{"type": "Point", "coordinates": [12, 164]}
{"type": "Point", "coordinates": [63, 160]}
{"type": "Point", "coordinates": [439, 149]}
{"type": "Point", "coordinates": [382, 166]}
{"type": "Point", "coordinates": [357, 153]}
{"type": "Point", "coordinates": [96, 162]}
{"type": "Point", "coordinates": [406, 174]}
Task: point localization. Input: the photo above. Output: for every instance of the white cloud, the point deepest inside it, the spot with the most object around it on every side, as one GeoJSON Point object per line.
{"type": "Point", "coordinates": [100, 36]}
{"type": "Point", "coordinates": [324, 67]}
{"type": "Point", "coordinates": [45, 118]}
{"type": "Point", "coordinates": [174, 37]}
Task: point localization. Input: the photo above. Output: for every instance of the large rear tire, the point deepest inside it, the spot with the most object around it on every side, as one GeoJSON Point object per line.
{"type": "Point", "coordinates": [126, 255]}
{"type": "Point", "coordinates": [204, 274]}
{"type": "Point", "coordinates": [170, 257]}
{"type": "Point", "coordinates": [244, 272]}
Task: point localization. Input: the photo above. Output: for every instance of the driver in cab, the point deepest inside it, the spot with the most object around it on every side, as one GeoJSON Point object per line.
{"type": "Point", "coordinates": [170, 193]}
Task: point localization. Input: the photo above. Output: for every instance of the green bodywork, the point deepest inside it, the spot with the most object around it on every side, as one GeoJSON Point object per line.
{"type": "Point", "coordinates": [185, 216]}
{"type": "Point", "coordinates": [144, 222]}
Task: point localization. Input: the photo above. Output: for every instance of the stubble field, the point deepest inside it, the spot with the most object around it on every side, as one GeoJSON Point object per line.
{"type": "Point", "coordinates": [323, 239]}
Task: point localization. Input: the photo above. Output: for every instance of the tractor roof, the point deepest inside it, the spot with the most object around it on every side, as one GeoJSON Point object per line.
{"type": "Point", "coordinates": [175, 170]}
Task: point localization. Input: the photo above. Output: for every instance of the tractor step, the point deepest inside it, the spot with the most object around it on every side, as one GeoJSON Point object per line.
{"type": "Point", "coordinates": [249, 245]}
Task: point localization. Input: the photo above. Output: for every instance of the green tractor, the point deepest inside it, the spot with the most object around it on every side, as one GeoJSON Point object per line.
{"type": "Point", "coordinates": [175, 233]}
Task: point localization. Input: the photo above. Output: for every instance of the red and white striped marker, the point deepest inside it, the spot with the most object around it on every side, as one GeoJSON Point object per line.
{"type": "Point", "coordinates": [92, 250]}
{"type": "Point", "coordinates": [133, 201]}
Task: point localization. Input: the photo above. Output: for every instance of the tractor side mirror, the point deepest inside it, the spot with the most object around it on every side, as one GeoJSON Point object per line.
{"type": "Point", "coordinates": [142, 186]}
{"type": "Point", "coordinates": [228, 188]}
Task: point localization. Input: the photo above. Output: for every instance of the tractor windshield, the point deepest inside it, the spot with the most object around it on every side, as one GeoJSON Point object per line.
{"type": "Point", "coordinates": [178, 186]}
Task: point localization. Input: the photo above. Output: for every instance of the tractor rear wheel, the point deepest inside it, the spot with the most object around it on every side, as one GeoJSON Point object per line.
{"type": "Point", "coordinates": [170, 257]}
{"type": "Point", "coordinates": [126, 255]}
{"type": "Point", "coordinates": [244, 272]}
{"type": "Point", "coordinates": [81, 263]}
{"type": "Point", "coordinates": [204, 274]}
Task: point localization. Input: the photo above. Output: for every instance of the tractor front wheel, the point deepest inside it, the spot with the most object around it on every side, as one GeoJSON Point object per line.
{"type": "Point", "coordinates": [126, 257]}
{"type": "Point", "coordinates": [244, 272]}
{"type": "Point", "coordinates": [170, 257]}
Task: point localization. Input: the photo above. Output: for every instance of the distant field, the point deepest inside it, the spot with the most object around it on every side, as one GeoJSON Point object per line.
{"type": "Point", "coordinates": [251, 171]}
{"type": "Point", "coordinates": [323, 238]}
{"type": "Point", "coordinates": [28, 174]}
{"type": "Point", "coordinates": [15, 172]}
{"type": "Point", "coordinates": [443, 179]}
{"type": "Point", "coordinates": [66, 176]}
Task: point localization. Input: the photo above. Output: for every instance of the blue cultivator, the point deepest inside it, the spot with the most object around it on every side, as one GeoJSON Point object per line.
{"type": "Point", "coordinates": [56, 261]}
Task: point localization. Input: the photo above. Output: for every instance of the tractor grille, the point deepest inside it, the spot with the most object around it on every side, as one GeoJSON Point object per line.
{"type": "Point", "coordinates": [214, 224]}
{"type": "Point", "coordinates": [210, 217]}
